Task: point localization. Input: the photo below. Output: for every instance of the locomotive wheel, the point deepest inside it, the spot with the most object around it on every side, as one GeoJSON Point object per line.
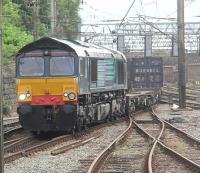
{"type": "Point", "coordinates": [78, 127]}
{"type": "Point", "coordinates": [73, 130]}
{"type": "Point", "coordinates": [36, 133]}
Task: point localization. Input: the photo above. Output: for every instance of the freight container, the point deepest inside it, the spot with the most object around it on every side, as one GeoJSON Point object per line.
{"type": "Point", "coordinates": [145, 73]}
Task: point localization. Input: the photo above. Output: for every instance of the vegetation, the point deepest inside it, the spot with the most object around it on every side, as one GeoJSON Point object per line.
{"type": "Point", "coordinates": [68, 18]}
{"type": "Point", "coordinates": [18, 23]}
{"type": "Point", "coordinates": [14, 33]}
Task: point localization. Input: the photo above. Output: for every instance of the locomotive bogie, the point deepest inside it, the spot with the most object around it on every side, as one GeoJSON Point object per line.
{"type": "Point", "coordinates": [47, 118]}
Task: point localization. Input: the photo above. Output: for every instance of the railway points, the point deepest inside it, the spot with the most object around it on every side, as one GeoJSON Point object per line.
{"type": "Point", "coordinates": [108, 148]}
{"type": "Point", "coordinates": [46, 103]}
{"type": "Point", "coordinates": [111, 160]}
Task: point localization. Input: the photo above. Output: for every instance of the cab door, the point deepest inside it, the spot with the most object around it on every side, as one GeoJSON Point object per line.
{"type": "Point", "coordinates": [83, 75]}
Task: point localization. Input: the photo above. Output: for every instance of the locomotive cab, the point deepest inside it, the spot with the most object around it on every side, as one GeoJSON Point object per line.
{"type": "Point", "coordinates": [47, 88]}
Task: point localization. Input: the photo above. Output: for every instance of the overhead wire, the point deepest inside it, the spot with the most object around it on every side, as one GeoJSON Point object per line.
{"type": "Point", "coordinates": [96, 9]}
{"type": "Point", "coordinates": [149, 3]}
{"type": "Point", "coordinates": [127, 13]}
{"type": "Point", "coordinates": [145, 21]}
{"type": "Point", "coordinates": [122, 20]}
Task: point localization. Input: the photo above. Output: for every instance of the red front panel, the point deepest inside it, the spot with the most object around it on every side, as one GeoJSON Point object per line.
{"type": "Point", "coordinates": [47, 100]}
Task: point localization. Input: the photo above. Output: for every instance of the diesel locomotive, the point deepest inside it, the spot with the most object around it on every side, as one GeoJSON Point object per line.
{"type": "Point", "coordinates": [66, 85]}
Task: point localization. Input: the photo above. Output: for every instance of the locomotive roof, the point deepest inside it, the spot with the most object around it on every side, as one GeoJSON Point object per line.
{"type": "Point", "coordinates": [82, 49]}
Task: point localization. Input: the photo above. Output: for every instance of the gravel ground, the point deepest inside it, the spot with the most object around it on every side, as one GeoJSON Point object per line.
{"type": "Point", "coordinates": [129, 157]}
{"type": "Point", "coordinates": [188, 120]}
{"type": "Point", "coordinates": [165, 163]}
{"type": "Point", "coordinates": [44, 162]}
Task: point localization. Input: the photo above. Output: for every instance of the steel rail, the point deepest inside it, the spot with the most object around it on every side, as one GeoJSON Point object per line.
{"type": "Point", "coordinates": [50, 143]}
{"type": "Point", "coordinates": [94, 167]}
{"type": "Point", "coordinates": [148, 164]}
{"type": "Point", "coordinates": [177, 129]}
{"type": "Point", "coordinates": [11, 118]}
{"type": "Point", "coordinates": [150, 170]}
{"type": "Point", "coordinates": [37, 148]}
{"type": "Point", "coordinates": [158, 142]}
{"type": "Point", "coordinates": [190, 137]}
{"type": "Point", "coordinates": [12, 147]}
{"type": "Point", "coordinates": [11, 141]}
{"type": "Point", "coordinates": [197, 166]}
{"type": "Point", "coordinates": [73, 145]}
{"type": "Point", "coordinates": [8, 132]}
{"type": "Point", "coordinates": [10, 121]}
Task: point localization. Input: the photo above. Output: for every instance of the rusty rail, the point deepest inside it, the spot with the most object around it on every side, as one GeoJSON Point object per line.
{"type": "Point", "coordinates": [96, 164]}
{"type": "Point", "coordinates": [72, 145]}
{"type": "Point", "coordinates": [36, 148]}
{"type": "Point", "coordinates": [157, 142]}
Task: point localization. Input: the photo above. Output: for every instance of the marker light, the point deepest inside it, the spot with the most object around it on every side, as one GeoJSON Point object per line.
{"type": "Point", "coordinates": [71, 96]}
{"type": "Point", "coordinates": [22, 97]}
{"type": "Point", "coordinates": [65, 94]}
{"type": "Point", "coordinates": [28, 94]}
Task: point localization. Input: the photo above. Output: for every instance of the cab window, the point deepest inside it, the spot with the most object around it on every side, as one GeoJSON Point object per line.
{"type": "Point", "coordinates": [60, 66]}
{"type": "Point", "coordinates": [31, 66]}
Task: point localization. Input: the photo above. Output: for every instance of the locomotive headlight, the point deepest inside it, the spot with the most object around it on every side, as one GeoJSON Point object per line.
{"type": "Point", "coordinates": [71, 96]}
{"type": "Point", "coordinates": [28, 94]}
{"type": "Point", "coordinates": [65, 94]}
{"type": "Point", "coordinates": [22, 97]}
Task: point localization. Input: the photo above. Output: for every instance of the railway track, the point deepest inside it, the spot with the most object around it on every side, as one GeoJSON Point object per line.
{"type": "Point", "coordinates": [10, 122]}
{"type": "Point", "coordinates": [170, 95]}
{"type": "Point", "coordinates": [11, 131]}
{"type": "Point", "coordinates": [126, 153]}
{"type": "Point", "coordinates": [172, 149]}
{"type": "Point", "coordinates": [163, 162]}
{"type": "Point", "coordinates": [29, 145]}
{"type": "Point", "coordinates": [128, 156]}
{"type": "Point", "coordinates": [11, 126]}
{"type": "Point", "coordinates": [146, 149]}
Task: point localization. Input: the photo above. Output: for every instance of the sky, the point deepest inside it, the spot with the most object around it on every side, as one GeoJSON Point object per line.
{"type": "Point", "coordinates": [94, 11]}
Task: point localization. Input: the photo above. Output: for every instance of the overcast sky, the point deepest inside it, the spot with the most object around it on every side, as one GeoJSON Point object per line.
{"type": "Point", "coordinates": [93, 11]}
